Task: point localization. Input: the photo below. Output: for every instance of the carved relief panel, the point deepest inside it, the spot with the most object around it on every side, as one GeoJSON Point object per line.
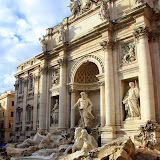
{"type": "Point", "coordinates": [128, 54]}
{"type": "Point", "coordinates": [55, 78]}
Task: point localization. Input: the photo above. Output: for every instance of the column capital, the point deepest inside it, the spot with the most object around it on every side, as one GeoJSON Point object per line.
{"type": "Point", "coordinates": [107, 44]}
{"type": "Point", "coordinates": [61, 61]}
{"type": "Point", "coordinates": [154, 35]}
{"type": "Point", "coordinates": [101, 83]}
{"type": "Point", "coordinates": [71, 88]}
{"type": "Point", "coordinates": [43, 70]}
{"type": "Point", "coordinates": [141, 31]}
{"type": "Point", "coordinates": [25, 81]}
{"type": "Point", "coordinates": [36, 77]}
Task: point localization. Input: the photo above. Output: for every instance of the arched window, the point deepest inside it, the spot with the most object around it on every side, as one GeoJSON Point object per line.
{"type": "Point", "coordinates": [19, 114]}
{"type": "Point", "coordinates": [29, 109]}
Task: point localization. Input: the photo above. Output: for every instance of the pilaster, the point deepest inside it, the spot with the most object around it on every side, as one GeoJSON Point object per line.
{"type": "Point", "coordinates": [73, 101]}
{"type": "Point", "coordinates": [43, 90]}
{"type": "Point", "coordinates": [36, 83]}
{"type": "Point", "coordinates": [154, 38]}
{"type": "Point", "coordinates": [102, 98]}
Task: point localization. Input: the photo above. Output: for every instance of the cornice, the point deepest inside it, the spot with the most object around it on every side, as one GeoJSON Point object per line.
{"type": "Point", "coordinates": [42, 55]}
{"type": "Point", "coordinates": [27, 69]}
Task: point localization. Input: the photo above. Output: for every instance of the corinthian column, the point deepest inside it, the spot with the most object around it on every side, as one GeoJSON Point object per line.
{"type": "Point", "coordinates": [43, 90]}
{"type": "Point", "coordinates": [25, 81]}
{"type": "Point", "coordinates": [62, 94]}
{"type": "Point", "coordinates": [145, 75]}
{"type": "Point", "coordinates": [109, 84]}
{"type": "Point", "coordinates": [15, 102]}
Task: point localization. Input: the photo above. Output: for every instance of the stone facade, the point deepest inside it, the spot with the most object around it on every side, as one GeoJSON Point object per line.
{"type": "Point", "coordinates": [107, 49]}
{"type": "Point", "coordinates": [6, 115]}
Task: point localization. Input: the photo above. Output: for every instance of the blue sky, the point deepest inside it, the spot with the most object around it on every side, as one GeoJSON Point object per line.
{"type": "Point", "coordinates": [22, 22]}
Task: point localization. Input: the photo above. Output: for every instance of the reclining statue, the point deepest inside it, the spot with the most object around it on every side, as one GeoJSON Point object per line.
{"type": "Point", "coordinates": [32, 142]}
{"type": "Point", "coordinates": [83, 141]}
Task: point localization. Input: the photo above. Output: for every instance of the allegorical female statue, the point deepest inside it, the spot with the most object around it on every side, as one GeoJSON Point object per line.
{"type": "Point", "coordinates": [54, 113]}
{"type": "Point", "coordinates": [43, 43]}
{"type": "Point", "coordinates": [74, 7]}
{"type": "Point", "coordinates": [131, 101]}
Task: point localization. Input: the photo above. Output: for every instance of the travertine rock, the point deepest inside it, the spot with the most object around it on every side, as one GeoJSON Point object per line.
{"type": "Point", "coordinates": [121, 147]}
{"type": "Point", "coordinates": [14, 151]}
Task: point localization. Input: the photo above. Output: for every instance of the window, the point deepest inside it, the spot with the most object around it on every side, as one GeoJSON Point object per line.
{"type": "Point", "coordinates": [19, 111]}
{"type": "Point", "coordinates": [3, 114]}
{"type": "Point", "coordinates": [12, 114]}
{"type": "Point", "coordinates": [18, 117]}
{"type": "Point", "coordinates": [20, 86]}
{"type": "Point", "coordinates": [30, 83]}
{"type": "Point", "coordinates": [0, 105]}
{"type": "Point", "coordinates": [0, 114]}
{"type": "Point", "coordinates": [9, 125]}
{"type": "Point", "coordinates": [2, 124]}
{"type": "Point", "coordinates": [29, 113]}
{"type": "Point", "coordinates": [12, 103]}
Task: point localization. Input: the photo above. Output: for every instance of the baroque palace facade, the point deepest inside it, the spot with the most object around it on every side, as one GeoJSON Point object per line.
{"type": "Point", "coordinates": [108, 49]}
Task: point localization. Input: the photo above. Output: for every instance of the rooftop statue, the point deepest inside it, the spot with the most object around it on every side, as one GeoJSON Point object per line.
{"type": "Point", "coordinates": [85, 4]}
{"type": "Point", "coordinates": [43, 43]}
{"type": "Point", "coordinates": [104, 12]}
{"type": "Point", "coordinates": [74, 7]}
{"type": "Point", "coordinates": [61, 36]}
{"type": "Point", "coordinates": [85, 109]}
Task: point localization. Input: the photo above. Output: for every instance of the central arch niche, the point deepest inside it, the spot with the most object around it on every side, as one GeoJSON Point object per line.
{"type": "Point", "coordinates": [86, 80]}
{"type": "Point", "coordinates": [87, 73]}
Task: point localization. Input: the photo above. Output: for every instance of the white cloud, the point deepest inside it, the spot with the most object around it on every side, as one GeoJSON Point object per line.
{"type": "Point", "coordinates": [22, 22]}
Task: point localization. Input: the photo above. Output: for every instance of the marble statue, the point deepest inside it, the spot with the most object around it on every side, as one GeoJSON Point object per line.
{"type": "Point", "coordinates": [85, 4]}
{"type": "Point", "coordinates": [85, 109]}
{"type": "Point", "coordinates": [45, 142]}
{"type": "Point", "coordinates": [74, 7]}
{"type": "Point", "coordinates": [104, 13]}
{"type": "Point", "coordinates": [61, 36]}
{"type": "Point", "coordinates": [147, 137]}
{"type": "Point", "coordinates": [82, 141]}
{"type": "Point", "coordinates": [43, 43]}
{"type": "Point", "coordinates": [89, 143]}
{"type": "Point", "coordinates": [35, 141]}
{"type": "Point", "coordinates": [77, 144]}
{"type": "Point", "coordinates": [54, 113]}
{"type": "Point", "coordinates": [131, 101]}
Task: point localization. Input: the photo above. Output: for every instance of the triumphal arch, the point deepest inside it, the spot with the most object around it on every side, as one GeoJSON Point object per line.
{"type": "Point", "coordinates": [98, 68]}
